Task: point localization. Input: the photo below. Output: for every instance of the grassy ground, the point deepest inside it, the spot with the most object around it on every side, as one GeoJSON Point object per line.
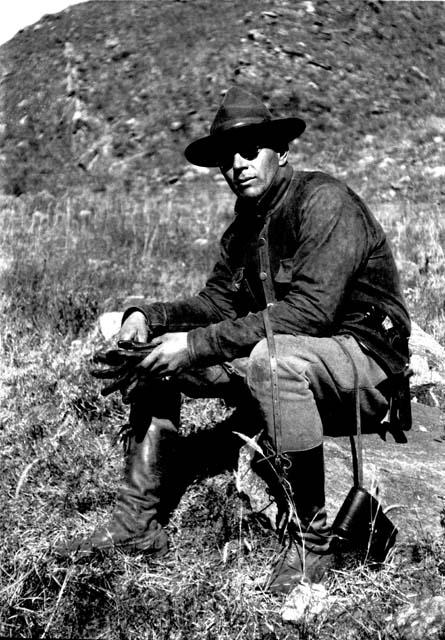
{"type": "Point", "coordinates": [63, 263]}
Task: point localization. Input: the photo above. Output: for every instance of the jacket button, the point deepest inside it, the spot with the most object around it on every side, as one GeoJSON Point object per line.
{"type": "Point", "coordinates": [261, 241]}
{"type": "Point", "coordinates": [263, 275]}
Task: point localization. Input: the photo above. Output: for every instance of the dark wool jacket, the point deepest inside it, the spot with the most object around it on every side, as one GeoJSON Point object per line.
{"type": "Point", "coordinates": [332, 270]}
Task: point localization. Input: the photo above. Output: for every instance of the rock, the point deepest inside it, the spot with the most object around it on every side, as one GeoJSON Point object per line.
{"type": "Point", "coordinates": [201, 242]}
{"type": "Point", "coordinates": [304, 602]}
{"type": "Point", "coordinates": [309, 6]}
{"type": "Point", "coordinates": [85, 215]}
{"type": "Point", "coordinates": [176, 125]}
{"type": "Point", "coordinates": [292, 51]}
{"type": "Point", "coordinates": [435, 123]}
{"type": "Point", "coordinates": [410, 476]}
{"type": "Point", "coordinates": [68, 50]}
{"type": "Point", "coordinates": [436, 172]}
{"type": "Point", "coordinates": [202, 171]}
{"type": "Point", "coordinates": [189, 175]}
{"type": "Point", "coordinates": [254, 489]}
{"type": "Point", "coordinates": [110, 323]}
{"type": "Point", "coordinates": [269, 14]}
{"type": "Point", "coordinates": [111, 43]}
{"type": "Point", "coordinates": [420, 620]}
{"type": "Point", "coordinates": [419, 73]}
{"type": "Point", "coordinates": [256, 35]}
{"type": "Point", "coordinates": [427, 359]}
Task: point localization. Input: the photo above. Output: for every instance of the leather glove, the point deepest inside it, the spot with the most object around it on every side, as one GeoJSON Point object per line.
{"type": "Point", "coordinates": [120, 366]}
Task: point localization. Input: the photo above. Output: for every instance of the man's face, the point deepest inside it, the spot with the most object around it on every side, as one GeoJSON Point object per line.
{"type": "Point", "coordinates": [249, 168]}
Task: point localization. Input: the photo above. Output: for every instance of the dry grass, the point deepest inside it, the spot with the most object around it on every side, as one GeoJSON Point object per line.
{"type": "Point", "coordinates": [61, 267]}
{"type": "Point", "coordinates": [417, 233]}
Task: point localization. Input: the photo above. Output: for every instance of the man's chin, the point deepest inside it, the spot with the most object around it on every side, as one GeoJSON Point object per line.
{"type": "Point", "coordinates": [250, 192]}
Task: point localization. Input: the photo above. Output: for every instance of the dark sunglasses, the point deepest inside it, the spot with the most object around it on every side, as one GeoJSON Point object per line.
{"type": "Point", "coordinates": [248, 150]}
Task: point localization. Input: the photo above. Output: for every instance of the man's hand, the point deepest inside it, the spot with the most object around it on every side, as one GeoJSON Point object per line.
{"type": "Point", "coordinates": [135, 328]}
{"type": "Point", "coordinates": [169, 356]}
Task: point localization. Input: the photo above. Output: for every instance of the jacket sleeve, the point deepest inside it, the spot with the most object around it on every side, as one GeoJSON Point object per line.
{"type": "Point", "coordinates": [213, 304]}
{"type": "Point", "coordinates": [333, 243]}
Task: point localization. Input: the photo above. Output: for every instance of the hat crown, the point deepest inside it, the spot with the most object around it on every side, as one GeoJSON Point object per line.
{"type": "Point", "coordinates": [238, 109]}
{"type": "Point", "coordinates": [241, 113]}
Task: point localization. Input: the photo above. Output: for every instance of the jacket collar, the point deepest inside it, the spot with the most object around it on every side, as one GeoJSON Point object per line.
{"type": "Point", "coordinates": [270, 200]}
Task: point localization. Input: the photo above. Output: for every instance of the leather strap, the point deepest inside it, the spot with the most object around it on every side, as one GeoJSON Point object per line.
{"type": "Point", "coordinates": [356, 446]}
{"type": "Point", "coordinates": [276, 409]}
{"type": "Point", "coordinates": [269, 295]}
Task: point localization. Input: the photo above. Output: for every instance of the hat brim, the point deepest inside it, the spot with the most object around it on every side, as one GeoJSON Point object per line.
{"type": "Point", "coordinates": [206, 152]}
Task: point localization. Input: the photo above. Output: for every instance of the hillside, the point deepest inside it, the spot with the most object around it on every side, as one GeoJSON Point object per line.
{"type": "Point", "coordinates": [107, 94]}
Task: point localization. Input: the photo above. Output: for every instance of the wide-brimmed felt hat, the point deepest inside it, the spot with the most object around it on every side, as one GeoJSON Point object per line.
{"type": "Point", "coordinates": [241, 113]}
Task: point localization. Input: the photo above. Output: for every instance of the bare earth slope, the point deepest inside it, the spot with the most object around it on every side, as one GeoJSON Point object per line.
{"type": "Point", "coordinates": [110, 92]}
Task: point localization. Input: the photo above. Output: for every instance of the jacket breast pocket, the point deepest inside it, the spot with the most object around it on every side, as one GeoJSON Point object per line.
{"type": "Point", "coordinates": [284, 273]}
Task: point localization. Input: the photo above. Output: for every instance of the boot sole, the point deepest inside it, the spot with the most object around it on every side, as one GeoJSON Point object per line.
{"type": "Point", "coordinates": [130, 546]}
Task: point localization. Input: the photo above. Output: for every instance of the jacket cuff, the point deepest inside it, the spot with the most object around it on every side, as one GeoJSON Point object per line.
{"type": "Point", "coordinates": [203, 346]}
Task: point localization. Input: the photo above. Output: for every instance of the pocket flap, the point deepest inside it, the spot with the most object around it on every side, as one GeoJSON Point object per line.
{"type": "Point", "coordinates": [284, 274]}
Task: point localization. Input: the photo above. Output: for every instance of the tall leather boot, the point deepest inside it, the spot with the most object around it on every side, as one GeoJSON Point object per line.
{"type": "Point", "coordinates": [134, 525]}
{"type": "Point", "coordinates": [307, 555]}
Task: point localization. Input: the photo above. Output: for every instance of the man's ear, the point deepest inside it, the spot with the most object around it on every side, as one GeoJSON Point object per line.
{"type": "Point", "coordinates": [282, 157]}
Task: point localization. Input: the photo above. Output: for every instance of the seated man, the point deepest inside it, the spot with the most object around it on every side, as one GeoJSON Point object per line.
{"type": "Point", "coordinates": [305, 286]}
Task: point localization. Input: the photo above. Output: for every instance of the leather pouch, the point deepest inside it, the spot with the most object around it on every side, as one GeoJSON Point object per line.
{"type": "Point", "coordinates": [362, 525]}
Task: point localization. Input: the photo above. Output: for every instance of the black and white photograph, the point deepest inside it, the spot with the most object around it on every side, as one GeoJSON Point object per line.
{"type": "Point", "coordinates": [222, 337]}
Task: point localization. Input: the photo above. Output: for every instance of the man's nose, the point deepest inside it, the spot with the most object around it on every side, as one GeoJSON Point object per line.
{"type": "Point", "coordinates": [238, 161]}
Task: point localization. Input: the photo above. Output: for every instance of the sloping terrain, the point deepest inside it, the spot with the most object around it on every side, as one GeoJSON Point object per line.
{"type": "Point", "coordinates": [110, 92]}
